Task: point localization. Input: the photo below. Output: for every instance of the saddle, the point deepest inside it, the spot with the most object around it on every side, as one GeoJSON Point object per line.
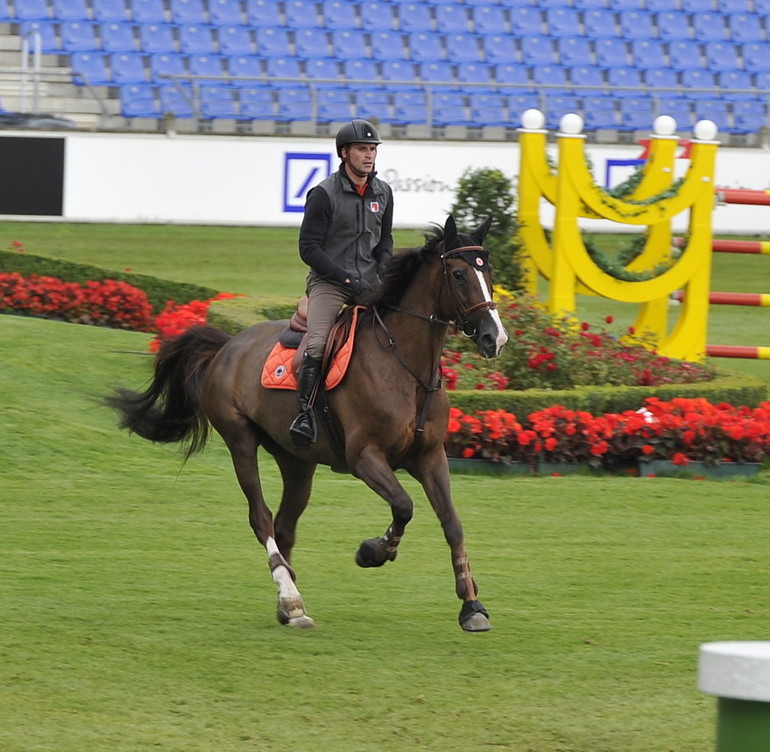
{"type": "Point", "coordinates": [282, 364]}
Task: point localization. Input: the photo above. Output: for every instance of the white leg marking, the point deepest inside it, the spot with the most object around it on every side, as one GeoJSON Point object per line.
{"type": "Point", "coordinates": [281, 576]}
{"type": "Point", "coordinates": [502, 335]}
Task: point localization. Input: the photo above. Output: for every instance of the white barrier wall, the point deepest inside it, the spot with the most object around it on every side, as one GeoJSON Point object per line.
{"type": "Point", "coordinates": [262, 181]}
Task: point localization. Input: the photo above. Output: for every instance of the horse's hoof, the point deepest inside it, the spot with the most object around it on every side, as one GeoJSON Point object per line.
{"type": "Point", "coordinates": [369, 553]}
{"type": "Point", "coordinates": [474, 617]}
{"type": "Point", "coordinates": [291, 613]}
{"type": "Point", "coordinates": [301, 622]}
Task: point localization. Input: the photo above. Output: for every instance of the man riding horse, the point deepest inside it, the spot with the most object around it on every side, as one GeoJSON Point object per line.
{"type": "Point", "coordinates": [346, 239]}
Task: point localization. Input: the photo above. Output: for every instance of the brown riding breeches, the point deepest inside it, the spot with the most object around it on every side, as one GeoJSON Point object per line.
{"type": "Point", "coordinates": [325, 300]}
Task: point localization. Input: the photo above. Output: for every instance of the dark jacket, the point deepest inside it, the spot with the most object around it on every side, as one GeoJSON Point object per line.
{"type": "Point", "coordinates": [345, 235]}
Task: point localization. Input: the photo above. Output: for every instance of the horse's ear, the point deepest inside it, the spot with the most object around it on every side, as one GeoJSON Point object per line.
{"type": "Point", "coordinates": [450, 232]}
{"type": "Point", "coordinates": [481, 232]}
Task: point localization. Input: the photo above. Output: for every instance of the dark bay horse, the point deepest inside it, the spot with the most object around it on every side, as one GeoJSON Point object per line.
{"type": "Point", "coordinates": [389, 412]}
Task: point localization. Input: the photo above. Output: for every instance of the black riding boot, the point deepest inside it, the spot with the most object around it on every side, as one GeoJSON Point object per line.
{"type": "Point", "coordinates": [304, 430]}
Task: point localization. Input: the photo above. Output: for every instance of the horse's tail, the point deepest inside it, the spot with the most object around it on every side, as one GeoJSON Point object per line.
{"type": "Point", "coordinates": [170, 409]}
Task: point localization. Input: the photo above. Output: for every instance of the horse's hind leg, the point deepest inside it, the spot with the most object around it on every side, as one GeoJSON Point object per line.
{"type": "Point", "coordinates": [243, 444]}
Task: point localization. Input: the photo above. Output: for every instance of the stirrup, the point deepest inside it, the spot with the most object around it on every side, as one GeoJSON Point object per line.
{"type": "Point", "coordinates": [304, 430]}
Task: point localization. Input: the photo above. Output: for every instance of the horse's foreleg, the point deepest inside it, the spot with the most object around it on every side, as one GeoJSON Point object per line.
{"type": "Point", "coordinates": [243, 449]}
{"type": "Point", "coordinates": [373, 469]}
{"type": "Point", "coordinates": [434, 477]}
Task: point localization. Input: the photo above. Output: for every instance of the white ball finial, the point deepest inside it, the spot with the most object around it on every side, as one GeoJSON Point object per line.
{"type": "Point", "coordinates": [664, 125]}
{"type": "Point", "coordinates": [571, 124]}
{"type": "Point", "coordinates": [705, 130]}
{"type": "Point", "coordinates": [533, 120]}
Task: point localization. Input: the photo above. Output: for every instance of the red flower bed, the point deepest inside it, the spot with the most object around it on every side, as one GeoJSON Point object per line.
{"type": "Point", "coordinates": [681, 430]}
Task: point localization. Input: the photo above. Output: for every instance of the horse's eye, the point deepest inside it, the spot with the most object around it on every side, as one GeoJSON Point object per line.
{"type": "Point", "coordinates": [458, 274]}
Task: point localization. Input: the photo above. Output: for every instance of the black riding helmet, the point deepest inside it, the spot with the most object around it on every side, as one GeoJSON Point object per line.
{"type": "Point", "coordinates": [356, 132]}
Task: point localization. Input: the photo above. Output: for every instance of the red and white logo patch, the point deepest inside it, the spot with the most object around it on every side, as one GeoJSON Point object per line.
{"type": "Point", "coordinates": [479, 261]}
{"type": "Point", "coordinates": [374, 206]}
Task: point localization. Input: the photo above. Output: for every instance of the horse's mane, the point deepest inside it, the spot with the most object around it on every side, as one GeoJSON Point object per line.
{"type": "Point", "coordinates": [401, 269]}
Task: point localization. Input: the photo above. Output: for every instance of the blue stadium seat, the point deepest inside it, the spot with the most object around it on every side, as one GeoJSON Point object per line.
{"type": "Point", "coordinates": [225, 12]}
{"type": "Point", "coordinates": [697, 6]}
{"type": "Point", "coordinates": [452, 18]}
{"type": "Point", "coordinates": [425, 45]}
{"type": "Point", "coordinates": [265, 13]}
{"type": "Point", "coordinates": [684, 54]}
{"type": "Point", "coordinates": [660, 78]}
{"type": "Point", "coordinates": [235, 40]}
{"type": "Point", "coordinates": [678, 108]}
{"type": "Point", "coordinates": [611, 52]}
{"type": "Point", "coordinates": [148, 11]}
{"type": "Point", "coordinates": [526, 20]}
{"type": "Point", "coordinates": [598, 23]}
{"type": "Point", "coordinates": [196, 40]}
{"type": "Point", "coordinates": [514, 73]}
{"type": "Point", "coordinates": [450, 109]}
{"type": "Point", "coordinates": [70, 10]}
{"type": "Point", "coordinates": [745, 27]}
{"type": "Point", "coordinates": [499, 48]}
{"type": "Point", "coordinates": [589, 4]}
{"type": "Point", "coordinates": [537, 51]}
{"type": "Point", "coordinates": [716, 111]}
{"type": "Point", "coordinates": [556, 107]}
{"type": "Point", "coordinates": [155, 37]}
{"type": "Point", "coordinates": [414, 16]}
{"type": "Point", "coordinates": [518, 104]}
{"type": "Point", "coordinates": [46, 30]}
{"type": "Point", "coordinates": [621, 77]}
{"type": "Point", "coordinates": [128, 68]}
{"type": "Point", "coordinates": [647, 53]}
{"type": "Point", "coordinates": [32, 10]}
{"type": "Point", "coordinates": [735, 84]}
{"type": "Point", "coordinates": [410, 107]}
{"type": "Point", "coordinates": [722, 56]}
{"type": "Point", "coordinates": [219, 102]}
{"type": "Point", "coordinates": [627, 4]}
{"type": "Point", "coordinates": [167, 64]}
{"type": "Point", "coordinates": [338, 14]}
{"type": "Point", "coordinates": [489, 19]}
{"type": "Point", "coordinates": [698, 84]}
{"type": "Point", "coordinates": [377, 15]}
{"type": "Point", "coordinates": [6, 14]}
{"type": "Point", "coordinates": [311, 42]}
{"type": "Point", "coordinates": [488, 109]}
{"type": "Point", "coordinates": [324, 72]}
{"type": "Point", "coordinates": [462, 47]}
{"type": "Point", "coordinates": [334, 105]}
{"type": "Point", "coordinates": [110, 10]}
{"type": "Point", "coordinates": [586, 76]}
{"type": "Point", "coordinates": [596, 117]}
{"type": "Point", "coordinates": [673, 25]}
{"type": "Point", "coordinates": [257, 103]}
{"type": "Point", "coordinates": [138, 101]}
{"type": "Point", "coordinates": [551, 76]}
{"type": "Point", "coordinates": [735, 6]}
{"type": "Point", "coordinates": [636, 114]}
{"type": "Point", "coordinates": [748, 116]}
{"type": "Point", "coordinates": [175, 100]}
{"type": "Point", "coordinates": [761, 80]}
{"type": "Point", "coordinates": [709, 27]}
{"type": "Point", "coordinates": [475, 75]}
{"type": "Point", "coordinates": [301, 14]}
{"type": "Point", "coordinates": [273, 42]}
{"type": "Point", "coordinates": [117, 37]}
{"type": "Point", "coordinates": [637, 24]}
{"type": "Point", "coordinates": [360, 69]}
{"type": "Point", "coordinates": [398, 71]}
{"type": "Point", "coordinates": [277, 68]}
{"type": "Point", "coordinates": [188, 12]}
{"type": "Point", "coordinates": [562, 21]}
{"type": "Point", "coordinates": [91, 68]}
{"type": "Point", "coordinates": [762, 6]}
{"type": "Point", "coordinates": [206, 65]}
{"type": "Point", "coordinates": [574, 51]}
{"type": "Point", "coordinates": [755, 57]}
{"type": "Point", "coordinates": [436, 71]}
{"type": "Point", "coordinates": [78, 36]}
{"type": "Point", "coordinates": [244, 66]}
{"type": "Point", "coordinates": [387, 45]}
{"type": "Point", "coordinates": [658, 5]}
{"type": "Point", "coordinates": [372, 104]}
{"type": "Point", "coordinates": [349, 43]}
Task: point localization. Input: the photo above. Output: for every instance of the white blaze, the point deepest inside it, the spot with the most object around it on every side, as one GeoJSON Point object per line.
{"type": "Point", "coordinates": [502, 335]}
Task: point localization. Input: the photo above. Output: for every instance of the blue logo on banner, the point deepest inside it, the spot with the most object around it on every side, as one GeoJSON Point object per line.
{"type": "Point", "coordinates": [301, 172]}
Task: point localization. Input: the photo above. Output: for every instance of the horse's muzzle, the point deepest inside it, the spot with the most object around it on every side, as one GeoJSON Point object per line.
{"type": "Point", "coordinates": [490, 336]}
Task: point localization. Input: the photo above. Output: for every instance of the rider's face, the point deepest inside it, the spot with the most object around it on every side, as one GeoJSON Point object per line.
{"type": "Point", "coordinates": [360, 158]}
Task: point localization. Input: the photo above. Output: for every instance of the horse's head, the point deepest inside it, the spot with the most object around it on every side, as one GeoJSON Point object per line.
{"type": "Point", "coordinates": [468, 282]}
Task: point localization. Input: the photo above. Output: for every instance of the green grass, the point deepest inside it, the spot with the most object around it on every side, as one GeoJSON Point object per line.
{"type": "Point", "coordinates": [137, 611]}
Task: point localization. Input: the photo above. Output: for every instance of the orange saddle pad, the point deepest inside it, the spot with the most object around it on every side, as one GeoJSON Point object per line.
{"type": "Point", "coordinates": [278, 372]}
